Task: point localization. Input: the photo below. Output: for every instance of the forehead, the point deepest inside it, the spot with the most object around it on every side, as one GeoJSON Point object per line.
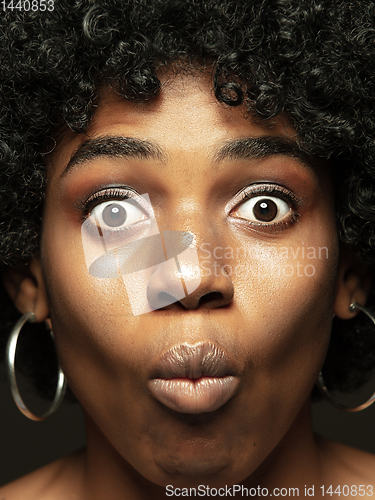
{"type": "Point", "coordinates": [184, 118]}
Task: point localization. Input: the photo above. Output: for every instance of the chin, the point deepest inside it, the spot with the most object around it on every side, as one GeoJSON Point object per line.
{"type": "Point", "coordinates": [192, 469]}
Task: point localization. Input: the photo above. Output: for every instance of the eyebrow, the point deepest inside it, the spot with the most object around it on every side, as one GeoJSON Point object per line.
{"type": "Point", "coordinates": [263, 147]}
{"type": "Point", "coordinates": [237, 149]}
{"type": "Point", "coordinates": [114, 147]}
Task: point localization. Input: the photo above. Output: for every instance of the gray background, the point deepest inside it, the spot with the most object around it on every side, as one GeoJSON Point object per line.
{"type": "Point", "coordinates": [27, 445]}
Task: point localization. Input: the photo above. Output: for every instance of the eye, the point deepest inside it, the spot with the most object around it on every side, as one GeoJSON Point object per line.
{"type": "Point", "coordinates": [116, 214]}
{"type": "Point", "coordinates": [263, 209]}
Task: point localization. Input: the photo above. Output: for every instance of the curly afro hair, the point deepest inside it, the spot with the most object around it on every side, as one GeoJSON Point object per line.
{"type": "Point", "coordinates": [313, 60]}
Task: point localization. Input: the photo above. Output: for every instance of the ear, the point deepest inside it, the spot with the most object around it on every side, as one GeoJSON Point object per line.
{"type": "Point", "coordinates": [26, 287]}
{"type": "Point", "coordinates": [353, 283]}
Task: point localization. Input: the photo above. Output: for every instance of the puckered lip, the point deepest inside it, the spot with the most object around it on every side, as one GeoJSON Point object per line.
{"type": "Point", "coordinates": [196, 378]}
{"type": "Point", "coordinates": [193, 362]}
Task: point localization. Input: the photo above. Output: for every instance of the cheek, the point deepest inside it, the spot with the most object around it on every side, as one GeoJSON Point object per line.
{"type": "Point", "coordinates": [103, 355]}
{"type": "Point", "coordinates": [95, 331]}
{"type": "Point", "coordinates": [286, 295]}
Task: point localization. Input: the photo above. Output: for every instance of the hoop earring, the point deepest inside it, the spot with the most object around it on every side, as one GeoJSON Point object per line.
{"type": "Point", "coordinates": [10, 355]}
{"type": "Point", "coordinates": [322, 386]}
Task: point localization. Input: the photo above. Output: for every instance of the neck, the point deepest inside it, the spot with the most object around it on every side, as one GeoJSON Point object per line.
{"type": "Point", "coordinates": [296, 461]}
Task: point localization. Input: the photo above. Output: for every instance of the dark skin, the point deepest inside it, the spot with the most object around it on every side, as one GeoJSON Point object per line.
{"type": "Point", "coordinates": [136, 445]}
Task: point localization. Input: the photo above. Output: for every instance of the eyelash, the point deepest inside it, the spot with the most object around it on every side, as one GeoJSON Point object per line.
{"type": "Point", "coordinates": [86, 205]}
{"type": "Point", "coordinates": [272, 190]}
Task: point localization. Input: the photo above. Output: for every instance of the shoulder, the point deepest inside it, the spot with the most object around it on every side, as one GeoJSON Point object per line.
{"type": "Point", "coordinates": [55, 481]}
{"type": "Point", "coordinates": [347, 465]}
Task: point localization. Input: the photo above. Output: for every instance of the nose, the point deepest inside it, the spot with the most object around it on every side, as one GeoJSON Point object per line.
{"type": "Point", "coordinates": [190, 282]}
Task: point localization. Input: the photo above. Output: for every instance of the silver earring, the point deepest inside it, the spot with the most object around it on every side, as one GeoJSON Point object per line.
{"type": "Point", "coordinates": [11, 375]}
{"type": "Point", "coordinates": [322, 386]}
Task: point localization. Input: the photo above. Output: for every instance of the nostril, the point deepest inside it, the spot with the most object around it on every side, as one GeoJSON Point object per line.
{"type": "Point", "coordinates": [210, 297]}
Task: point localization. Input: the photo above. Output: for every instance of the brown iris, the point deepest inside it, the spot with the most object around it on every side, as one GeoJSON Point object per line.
{"type": "Point", "coordinates": [114, 215]}
{"type": "Point", "coordinates": [265, 210]}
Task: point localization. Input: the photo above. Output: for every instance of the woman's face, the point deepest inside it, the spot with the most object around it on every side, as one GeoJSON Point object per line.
{"type": "Point", "coordinates": [261, 271]}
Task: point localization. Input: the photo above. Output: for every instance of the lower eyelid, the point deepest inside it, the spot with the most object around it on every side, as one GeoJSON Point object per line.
{"type": "Point", "coordinates": [113, 237]}
{"type": "Point", "coordinates": [285, 223]}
